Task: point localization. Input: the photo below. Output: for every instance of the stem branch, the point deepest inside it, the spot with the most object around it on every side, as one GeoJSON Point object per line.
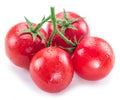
{"type": "Point", "coordinates": [40, 24]}
{"type": "Point", "coordinates": [55, 30]}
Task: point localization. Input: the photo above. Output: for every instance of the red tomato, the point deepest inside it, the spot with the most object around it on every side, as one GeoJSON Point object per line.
{"type": "Point", "coordinates": [20, 48]}
{"type": "Point", "coordinates": [93, 58]}
{"type": "Point", "coordinates": [80, 25]}
{"type": "Point", "coordinates": [51, 69]}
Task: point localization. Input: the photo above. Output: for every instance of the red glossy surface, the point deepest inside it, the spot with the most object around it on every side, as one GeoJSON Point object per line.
{"type": "Point", "coordinates": [93, 59]}
{"type": "Point", "coordinates": [51, 69]}
{"type": "Point", "coordinates": [20, 48]}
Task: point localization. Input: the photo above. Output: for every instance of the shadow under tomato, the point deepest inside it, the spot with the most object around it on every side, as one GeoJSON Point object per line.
{"type": "Point", "coordinates": [80, 82]}
{"type": "Point", "coordinates": [25, 77]}
{"type": "Point", "coordinates": [76, 83]}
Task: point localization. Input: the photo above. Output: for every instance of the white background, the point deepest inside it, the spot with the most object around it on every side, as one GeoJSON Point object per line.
{"type": "Point", "coordinates": [103, 18]}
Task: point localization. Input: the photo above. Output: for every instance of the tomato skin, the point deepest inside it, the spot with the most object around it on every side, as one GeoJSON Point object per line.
{"type": "Point", "coordinates": [81, 30]}
{"type": "Point", "coordinates": [93, 58]}
{"type": "Point", "coordinates": [51, 69]}
{"type": "Point", "coordinates": [20, 48]}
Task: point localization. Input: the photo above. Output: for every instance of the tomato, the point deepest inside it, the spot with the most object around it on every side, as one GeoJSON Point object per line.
{"type": "Point", "coordinates": [20, 48]}
{"type": "Point", "coordinates": [51, 69]}
{"type": "Point", "coordinates": [93, 58]}
{"type": "Point", "coordinates": [81, 29]}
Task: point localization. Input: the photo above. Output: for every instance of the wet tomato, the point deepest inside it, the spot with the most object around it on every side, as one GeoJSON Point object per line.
{"type": "Point", "coordinates": [93, 58]}
{"type": "Point", "coordinates": [20, 48]}
{"type": "Point", "coordinates": [51, 69]}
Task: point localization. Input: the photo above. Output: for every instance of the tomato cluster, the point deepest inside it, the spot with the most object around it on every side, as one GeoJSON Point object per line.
{"type": "Point", "coordinates": [52, 55]}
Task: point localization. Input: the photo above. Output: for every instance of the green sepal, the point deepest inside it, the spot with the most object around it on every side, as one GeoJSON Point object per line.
{"type": "Point", "coordinates": [23, 31]}
{"type": "Point", "coordinates": [65, 15]}
{"type": "Point", "coordinates": [75, 19]}
{"type": "Point", "coordinates": [63, 30]}
{"type": "Point", "coordinates": [34, 36]}
{"type": "Point", "coordinates": [71, 49]}
{"type": "Point", "coordinates": [41, 35]}
{"type": "Point", "coordinates": [30, 26]}
{"type": "Point", "coordinates": [75, 40]}
{"type": "Point", "coordinates": [72, 27]}
{"type": "Point", "coordinates": [81, 38]}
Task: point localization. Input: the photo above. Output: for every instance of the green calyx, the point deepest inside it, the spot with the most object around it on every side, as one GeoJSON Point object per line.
{"type": "Point", "coordinates": [66, 23]}
{"type": "Point", "coordinates": [35, 31]}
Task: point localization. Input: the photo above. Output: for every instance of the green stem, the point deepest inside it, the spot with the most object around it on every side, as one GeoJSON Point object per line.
{"type": "Point", "coordinates": [54, 26]}
{"type": "Point", "coordinates": [40, 24]}
{"type": "Point", "coordinates": [53, 17]}
{"type": "Point", "coordinates": [57, 31]}
{"type": "Point", "coordinates": [66, 39]}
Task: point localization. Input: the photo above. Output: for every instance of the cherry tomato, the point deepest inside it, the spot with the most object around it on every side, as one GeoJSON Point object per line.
{"type": "Point", "coordinates": [20, 48]}
{"type": "Point", "coordinates": [93, 58]}
{"type": "Point", "coordinates": [51, 69]}
{"type": "Point", "coordinates": [81, 29]}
